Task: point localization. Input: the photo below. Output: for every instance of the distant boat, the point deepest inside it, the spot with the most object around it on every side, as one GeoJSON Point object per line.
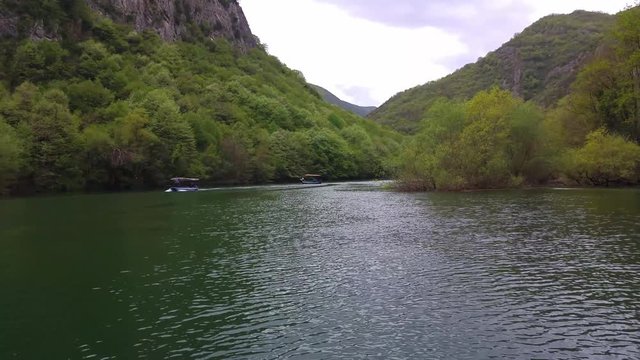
{"type": "Point", "coordinates": [311, 179]}
{"type": "Point", "coordinates": [182, 184]}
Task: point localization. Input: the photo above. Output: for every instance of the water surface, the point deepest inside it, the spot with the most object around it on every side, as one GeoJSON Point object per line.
{"type": "Point", "coordinates": [342, 271]}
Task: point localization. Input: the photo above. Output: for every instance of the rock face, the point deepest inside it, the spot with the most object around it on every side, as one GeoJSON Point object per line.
{"type": "Point", "coordinates": [8, 24]}
{"type": "Point", "coordinates": [171, 19]}
{"type": "Point", "coordinates": [174, 19]}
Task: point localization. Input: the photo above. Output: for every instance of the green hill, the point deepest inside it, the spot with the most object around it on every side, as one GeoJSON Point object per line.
{"type": "Point", "coordinates": [93, 97]}
{"type": "Point", "coordinates": [332, 99]}
{"type": "Point", "coordinates": [495, 139]}
{"type": "Point", "coordinates": [538, 64]}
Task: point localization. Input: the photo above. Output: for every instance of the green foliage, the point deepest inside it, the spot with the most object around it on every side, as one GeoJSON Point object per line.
{"type": "Point", "coordinates": [608, 88]}
{"type": "Point", "coordinates": [11, 155]}
{"type": "Point", "coordinates": [605, 159]}
{"type": "Point", "coordinates": [38, 62]}
{"type": "Point", "coordinates": [51, 139]}
{"type": "Point", "coordinates": [88, 96]}
{"type": "Point", "coordinates": [492, 140]}
{"type": "Point", "coordinates": [110, 108]}
{"type": "Point", "coordinates": [330, 155]}
{"type": "Point", "coordinates": [97, 148]}
{"type": "Point", "coordinates": [497, 140]}
{"type": "Point", "coordinates": [291, 154]}
{"type": "Point", "coordinates": [336, 121]}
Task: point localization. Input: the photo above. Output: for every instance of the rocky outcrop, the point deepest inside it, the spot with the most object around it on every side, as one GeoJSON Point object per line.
{"type": "Point", "coordinates": [171, 19]}
{"type": "Point", "coordinates": [557, 80]}
{"type": "Point", "coordinates": [176, 19]}
{"type": "Point", "coordinates": [8, 25]}
{"type": "Point", "coordinates": [511, 61]}
{"type": "Point", "coordinates": [36, 30]}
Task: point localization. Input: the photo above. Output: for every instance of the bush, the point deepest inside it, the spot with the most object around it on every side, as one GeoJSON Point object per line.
{"type": "Point", "coordinates": [605, 159]}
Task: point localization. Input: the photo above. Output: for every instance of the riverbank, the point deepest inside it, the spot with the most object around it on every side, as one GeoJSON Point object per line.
{"type": "Point", "coordinates": [420, 186]}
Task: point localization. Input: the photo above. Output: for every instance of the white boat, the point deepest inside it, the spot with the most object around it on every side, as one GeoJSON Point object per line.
{"type": "Point", "coordinates": [311, 179]}
{"type": "Point", "coordinates": [182, 184]}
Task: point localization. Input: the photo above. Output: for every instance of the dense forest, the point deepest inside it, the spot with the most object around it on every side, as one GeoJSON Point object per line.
{"type": "Point", "coordinates": [104, 107]}
{"type": "Point", "coordinates": [496, 139]}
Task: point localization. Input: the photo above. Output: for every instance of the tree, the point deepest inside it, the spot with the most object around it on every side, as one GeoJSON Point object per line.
{"type": "Point", "coordinates": [492, 140]}
{"type": "Point", "coordinates": [132, 157]}
{"type": "Point", "coordinates": [627, 34]}
{"type": "Point", "coordinates": [526, 143]}
{"type": "Point", "coordinates": [330, 155]}
{"type": "Point", "coordinates": [480, 153]}
{"type": "Point", "coordinates": [54, 144]}
{"type": "Point", "coordinates": [290, 153]}
{"type": "Point", "coordinates": [11, 155]}
{"type": "Point", "coordinates": [38, 61]}
{"type": "Point", "coordinates": [98, 147]}
{"type": "Point", "coordinates": [176, 151]}
{"type": "Point", "coordinates": [607, 90]}
{"type": "Point", "coordinates": [88, 96]}
{"type": "Point", "coordinates": [364, 155]}
{"type": "Point", "coordinates": [429, 160]}
{"type": "Point", "coordinates": [605, 159]}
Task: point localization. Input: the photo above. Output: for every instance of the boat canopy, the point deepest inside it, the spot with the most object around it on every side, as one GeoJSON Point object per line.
{"type": "Point", "coordinates": [184, 179]}
{"type": "Point", "coordinates": [312, 175]}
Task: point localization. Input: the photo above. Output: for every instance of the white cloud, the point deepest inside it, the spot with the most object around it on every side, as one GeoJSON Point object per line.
{"type": "Point", "coordinates": [339, 52]}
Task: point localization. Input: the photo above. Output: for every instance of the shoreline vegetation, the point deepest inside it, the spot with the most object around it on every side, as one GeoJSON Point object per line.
{"type": "Point", "coordinates": [418, 187]}
{"type": "Point", "coordinates": [106, 108]}
{"type": "Point", "coordinates": [497, 140]}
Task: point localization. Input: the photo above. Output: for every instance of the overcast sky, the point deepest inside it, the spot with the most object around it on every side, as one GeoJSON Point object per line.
{"type": "Point", "coordinates": [365, 51]}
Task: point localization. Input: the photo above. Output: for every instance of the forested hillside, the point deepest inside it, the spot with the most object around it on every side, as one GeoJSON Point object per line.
{"type": "Point", "coordinates": [332, 99]}
{"type": "Point", "coordinates": [87, 103]}
{"type": "Point", "coordinates": [496, 139]}
{"type": "Point", "coordinates": [538, 64]}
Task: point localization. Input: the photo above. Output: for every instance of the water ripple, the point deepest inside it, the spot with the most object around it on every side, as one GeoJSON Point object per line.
{"type": "Point", "coordinates": [352, 271]}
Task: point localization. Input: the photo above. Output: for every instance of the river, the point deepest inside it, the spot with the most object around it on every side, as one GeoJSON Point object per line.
{"type": "Point", "coordinates": [350, 270]}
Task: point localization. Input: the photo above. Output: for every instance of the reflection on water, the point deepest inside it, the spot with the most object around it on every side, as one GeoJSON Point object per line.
{"type": "Point", "coordinates": [344, 271]}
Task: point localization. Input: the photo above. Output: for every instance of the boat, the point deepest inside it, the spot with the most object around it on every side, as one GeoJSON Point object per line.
{"type": "Point", "coordinates": [182, 184]}
{"type": "Point", "coordinates": [311, 179]}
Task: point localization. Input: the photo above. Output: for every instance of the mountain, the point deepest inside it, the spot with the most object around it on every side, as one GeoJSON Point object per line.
{"type": "Point", "coordinates": [496, 139]}
{"type": "Point", "coordinates": [538, 64]}
{"type": "Point", "coordinates": [332, 99]}
{"type": "Point", "coordinates": [125, 94]}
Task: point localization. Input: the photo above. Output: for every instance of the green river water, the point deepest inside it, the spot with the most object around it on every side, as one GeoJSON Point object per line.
{"type": "Point", "coordinates": [349, 270]}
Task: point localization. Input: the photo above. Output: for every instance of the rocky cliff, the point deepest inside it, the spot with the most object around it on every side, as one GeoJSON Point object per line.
{"type": "Point", "coordinates": [171, 19]}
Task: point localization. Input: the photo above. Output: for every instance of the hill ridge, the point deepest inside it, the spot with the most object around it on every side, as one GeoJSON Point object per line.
{"type": "Point", "coordinates": [333, 99]}
{"type": "Point", "coordinates": [538, 64]}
